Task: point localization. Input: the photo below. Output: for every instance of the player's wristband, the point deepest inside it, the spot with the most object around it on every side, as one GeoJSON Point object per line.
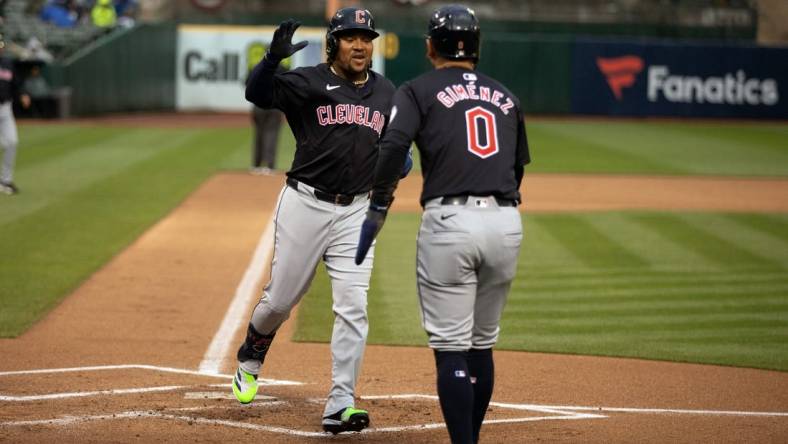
{"type": "Point", "coordinates": [378, 208]}
{"type": "Point", "coordinates": [271, 60]}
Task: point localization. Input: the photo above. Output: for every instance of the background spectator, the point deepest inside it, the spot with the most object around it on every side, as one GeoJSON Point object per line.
{"type": "Point", "coordinates": [103, 14]}
{"type": "Point", "coordinates": [126, 11]}
{"type": "Point", "coordinates": [60, 13]}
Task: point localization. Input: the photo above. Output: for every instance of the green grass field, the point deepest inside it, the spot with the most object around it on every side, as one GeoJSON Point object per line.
{"type": "Point", "coordinates": [695, 287]}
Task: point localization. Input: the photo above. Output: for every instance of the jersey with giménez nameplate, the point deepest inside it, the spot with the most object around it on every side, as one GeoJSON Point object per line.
{"type": "Point", "coordinates": [468, 128]}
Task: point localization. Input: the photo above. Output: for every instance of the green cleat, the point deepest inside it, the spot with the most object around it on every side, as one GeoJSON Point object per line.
{"type": "Point", "coordinates": [244, 386]}
{"type": "Point", "coordinates": [348, 419]}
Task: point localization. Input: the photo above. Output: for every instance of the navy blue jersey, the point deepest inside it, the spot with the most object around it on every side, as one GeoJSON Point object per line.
{"type": "Point", "coordinates": [336, 124]}
{"type": "Point", "coordinates": [469, 130]}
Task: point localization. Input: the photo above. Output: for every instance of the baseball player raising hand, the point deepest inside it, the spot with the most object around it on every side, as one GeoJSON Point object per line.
{"type": "Point", "coordinates": [471, 136]}
{"type": "Point", "coordinates": [337, 111]}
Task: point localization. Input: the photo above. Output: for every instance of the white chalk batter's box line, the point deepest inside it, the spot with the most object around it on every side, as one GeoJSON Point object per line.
{"type": "Point", "coordinates": [112, 392]}
{"type": "Point", "coordinates": [556, 412]}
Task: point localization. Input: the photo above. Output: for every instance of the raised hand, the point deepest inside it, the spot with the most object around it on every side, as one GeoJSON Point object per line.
{"type": "Point", "coordinates": [282, 46]}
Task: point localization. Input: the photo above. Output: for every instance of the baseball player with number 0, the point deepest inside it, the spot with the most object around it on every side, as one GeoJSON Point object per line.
{"type": "Point", "coordinates": [470, 133]}
{"type": "Point", "coordinates": [337, 111]}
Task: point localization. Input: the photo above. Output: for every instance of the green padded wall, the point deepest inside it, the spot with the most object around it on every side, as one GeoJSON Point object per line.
{"type": "Point", "coordinates": [129, 71]}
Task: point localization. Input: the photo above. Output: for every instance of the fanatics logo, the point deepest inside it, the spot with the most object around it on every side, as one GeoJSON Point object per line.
{"type": "Point", "coordinates": [620, 72]}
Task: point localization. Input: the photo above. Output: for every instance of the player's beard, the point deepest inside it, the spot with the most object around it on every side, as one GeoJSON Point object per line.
{"type": "Point", "coordinates": [353, 68]}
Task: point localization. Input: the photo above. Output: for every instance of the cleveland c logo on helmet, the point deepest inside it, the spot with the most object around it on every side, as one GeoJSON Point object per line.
{"type": "Point", "coordinates": [347, 19]}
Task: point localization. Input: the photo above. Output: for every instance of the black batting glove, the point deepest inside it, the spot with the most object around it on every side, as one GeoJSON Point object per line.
{"type": "Point", "coordinates": [282, 46]}
{"type": "Point", "coordinates": [376, 216]}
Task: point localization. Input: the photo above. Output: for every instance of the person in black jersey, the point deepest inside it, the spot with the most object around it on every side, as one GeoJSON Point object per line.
{"type": "Point", "coordinates": [470, 133]}
{"type": "Point", "coordinates": [10, 89]}
{"type": "Point", "coordinates": [337, 111]}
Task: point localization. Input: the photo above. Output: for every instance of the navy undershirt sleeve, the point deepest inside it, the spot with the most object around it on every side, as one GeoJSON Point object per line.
{"type": "Point", "coordinates": [260, 84]}
{"type": "Point", "coordinates": [394, 145]}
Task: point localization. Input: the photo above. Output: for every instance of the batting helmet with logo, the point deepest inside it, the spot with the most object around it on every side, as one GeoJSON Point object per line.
{"type": "Point", "coordinates": [347, 19]}
{"type": "Point", "coordinates": [454, 32]}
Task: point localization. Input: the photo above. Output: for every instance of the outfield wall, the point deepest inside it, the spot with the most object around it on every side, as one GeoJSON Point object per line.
{"type": "Point", "coordinates": [198, 67]}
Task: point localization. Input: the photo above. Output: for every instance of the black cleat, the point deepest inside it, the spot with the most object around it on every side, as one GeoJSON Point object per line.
{"type": "Point", "coordinates": [348, 419]}
{"type": "Point", "coordinates": [8, 188]}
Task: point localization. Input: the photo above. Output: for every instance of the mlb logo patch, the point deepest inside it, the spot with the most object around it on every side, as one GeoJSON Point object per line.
{"type": "Point", "coordinates": [459, 373]}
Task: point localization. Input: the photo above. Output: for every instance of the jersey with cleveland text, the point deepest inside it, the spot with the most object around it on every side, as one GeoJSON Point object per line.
{"type": "Point", "coordinates": [336, 126]}
{"type": "Point", "coordinates": [468, 129]}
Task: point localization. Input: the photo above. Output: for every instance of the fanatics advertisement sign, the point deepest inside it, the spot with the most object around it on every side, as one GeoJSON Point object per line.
{"type": "Point", "coordinates": [212, 62]}
{"type": "Point", "coordinates": [659, 79]}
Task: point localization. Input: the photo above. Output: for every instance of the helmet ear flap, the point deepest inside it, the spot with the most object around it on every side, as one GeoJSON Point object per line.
{"type": "Point", "coordinates": [331, 46]}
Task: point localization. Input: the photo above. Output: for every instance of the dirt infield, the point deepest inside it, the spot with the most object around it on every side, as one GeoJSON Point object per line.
{"type": "Point", "coordinates": [129, 342]}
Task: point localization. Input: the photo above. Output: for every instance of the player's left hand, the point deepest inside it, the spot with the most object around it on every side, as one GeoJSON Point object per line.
{"type": "Point", "coordinates": [408, 164]}
{"type": "Point", "coordinates": [282, 45]}
{"type": "Point", "coordinates": [376, 216]}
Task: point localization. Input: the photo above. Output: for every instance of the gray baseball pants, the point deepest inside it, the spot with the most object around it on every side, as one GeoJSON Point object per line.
{"type": "Point", "coordinates": [9, 139]}
{"type": "Point", "coordinates": [309, 230]}
{"type": "Point", "coordinates": [466, 260]}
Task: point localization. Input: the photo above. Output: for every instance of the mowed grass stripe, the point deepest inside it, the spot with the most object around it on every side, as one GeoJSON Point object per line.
{"type": "Point", "coordinates": [554, 143]}
{"type": "Point", "coordinates": [536, 282]}
{"type": "Point", "coordinates": [48, 180]}
{"type": "Point", "coordinates": [651, 246]}
{"type": "Point", "coordinates": [642, 148]}
{"type": "Point", "coordinates": [38, 142]}
{"type": "Point", "coordinates": [770, 303]}
{"type": "Point", "coordinates": [593, 247]}
{"type": "Point", "coordinates": [756, 148]}
{"type": "Point", "coordinates": [396, 290]}
{"type": "Point", "coordinates": [632, 141]}
{"type": "Point", "coordinates": [546, 253]}
{"type": "Point", "coordinates": [756, 242]}
{"type": "Point", "coordinates": [667, 326]}
{"type": "Point", "coordinates": [678, 297]}
{"type": "Point", "coordinates": [770, 233]}
{"type": "Point", "coordinates": [59, 245]}
{"type": "Point", "coordinates": [690, 231]}
{"type": "Point", "coordinates": [775, 225]}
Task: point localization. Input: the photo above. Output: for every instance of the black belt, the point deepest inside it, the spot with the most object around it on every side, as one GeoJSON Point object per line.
{"type": "Point", "coordinates": [462, 200]}
{"type": "Point", "coordinates": [336, 199]}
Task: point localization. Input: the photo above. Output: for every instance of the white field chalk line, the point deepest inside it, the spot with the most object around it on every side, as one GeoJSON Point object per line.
{"type": "Point", "coordinates": [259, 427]}
{"type": "Point", "coordinates": [562, 413]}
{"type": "Point", "coordinates": [111, 392]}
{"type": "Point", "coordinates": [113, 367]}
{"type": "Point", "coordinates": [141, 367]}
{"type": "Point", "coordinates": [646, 410]}
{"type": "Point", "coordinates": [569, 409]}
{"type": "Point", "coordinates": [220, 344]}
{"type": "Point", "coordinates": [11, 398]}
{"type": "Point", "coordinates": [166, 388]}
{"type": "Point", "coordinates": [150, 414]}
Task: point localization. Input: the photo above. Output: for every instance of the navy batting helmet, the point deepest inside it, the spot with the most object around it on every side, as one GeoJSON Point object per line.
{"type": "Point", "coordinates": [454, 32]}
{"type": "Point", "coordinates": [347, 19]}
